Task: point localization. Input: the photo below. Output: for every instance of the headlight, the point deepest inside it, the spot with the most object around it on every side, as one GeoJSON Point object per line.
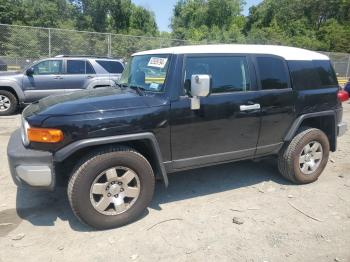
{"type": "Point", "coordinates": [24, 132]}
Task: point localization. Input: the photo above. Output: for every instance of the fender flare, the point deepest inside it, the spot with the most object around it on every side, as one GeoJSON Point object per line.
{"type": "Point", "coordinates": [297, 123]}
{"type": "Point", "coordinates": [12, 84]}
{"type": "Point", "coordinates": [67, 151]}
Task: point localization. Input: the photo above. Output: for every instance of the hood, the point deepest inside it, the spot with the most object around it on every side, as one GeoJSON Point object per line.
{"type": "Point", "coordinates": [91, 101]}
{"type": "Point", "coordinates": [6, 73]}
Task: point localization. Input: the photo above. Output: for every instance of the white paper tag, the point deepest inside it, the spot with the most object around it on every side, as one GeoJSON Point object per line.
{"type": "Point", "coordinates": [157, 62]}
{"type": "Point", "coordinates": [154, 86]}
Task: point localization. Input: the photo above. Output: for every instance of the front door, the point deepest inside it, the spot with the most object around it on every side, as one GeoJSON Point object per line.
{"type": "Point", "coordinates": [46, 80]}
{"type": "Point", "coordinates": [226, 126]}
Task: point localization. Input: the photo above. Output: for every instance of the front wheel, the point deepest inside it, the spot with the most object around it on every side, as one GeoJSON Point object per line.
{"type": "Point", "coordinates": [8, 103]}
{"type": "Point", "coordinates": [111, 188]}
{"type": "Point", "coordinates": [305, 157]}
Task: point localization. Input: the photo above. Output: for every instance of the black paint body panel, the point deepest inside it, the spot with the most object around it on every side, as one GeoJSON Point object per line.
{"type": "Point", "coordinates": [218, 132]}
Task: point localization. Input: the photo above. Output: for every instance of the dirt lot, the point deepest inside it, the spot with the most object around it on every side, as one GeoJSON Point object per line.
{"type": "Point", "coordinates": [193, 219]}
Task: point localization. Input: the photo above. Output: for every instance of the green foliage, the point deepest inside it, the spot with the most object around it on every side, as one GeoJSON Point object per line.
{"type": "Point", "coordinates": [116, 16]}
{"type": "Point", "coordinates": [314, 24]}
{"type": "Point", "coordinates": [9, 11]}
{"type": "Point", "coordinates": [113, 16]}
{"type": "Point", "coordinates": [208, 20]}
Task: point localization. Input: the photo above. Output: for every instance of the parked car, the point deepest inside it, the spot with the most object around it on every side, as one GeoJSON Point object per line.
{"type": "Point", "coordinates": [57, 75]}
{"type": "Point", "coordinates": [177, 109]}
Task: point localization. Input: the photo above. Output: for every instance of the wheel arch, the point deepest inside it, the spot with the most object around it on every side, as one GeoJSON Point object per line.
{"type": "Point", "coordinates": [14, 87]}
{"type": "Point", "coordinates": [325, 121]}
{"type": "Point", "coordinates": [145, 143]}
{"type": "Point", "coordinates": [13, 91]}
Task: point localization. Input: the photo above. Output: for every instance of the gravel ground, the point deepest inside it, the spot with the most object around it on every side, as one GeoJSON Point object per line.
{"type": "Point", "coordinates": [235, 212]}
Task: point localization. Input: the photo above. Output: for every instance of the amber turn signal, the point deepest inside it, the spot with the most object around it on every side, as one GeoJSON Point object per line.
{"type": "Point", "coordinates": [44, 135]}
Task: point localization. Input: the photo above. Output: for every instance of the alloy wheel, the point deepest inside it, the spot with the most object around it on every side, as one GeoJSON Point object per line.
{"type": "Point", "coordinates": [115, 190]}
{"type": "Point", "coordinates": [310, 157]}
{"type": "Point", "coordinates": [5, 103]}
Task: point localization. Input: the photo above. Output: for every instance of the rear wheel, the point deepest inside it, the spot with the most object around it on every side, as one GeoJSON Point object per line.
{"type": "Point", "coordinates": [111, 188]}
{"type": "Point", "coordinates": [8, 103]}
{"type": "Point", "coordinates": [305, 157]}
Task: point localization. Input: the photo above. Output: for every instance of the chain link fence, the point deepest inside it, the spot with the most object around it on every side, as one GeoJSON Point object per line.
{"type": "Point", "coordinates": [341, 63]}
{"type": "Point", "coordinates": [21, 45]}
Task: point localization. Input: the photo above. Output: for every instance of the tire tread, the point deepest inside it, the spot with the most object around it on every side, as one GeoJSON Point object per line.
{"type": "Point", "coordinates": [286, 155]}
{"type": "Point", "coordinates": [81, 165]}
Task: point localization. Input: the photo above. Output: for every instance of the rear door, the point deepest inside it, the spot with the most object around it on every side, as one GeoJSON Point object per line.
{"type": "Point", "coordinates": [78, 73]}
{"type": "Point", "coordinates": [46, 80]}
{"type": "Point", "coordinates": [277, 100]}
{"type": "Point", "coordinates": [226, 126]}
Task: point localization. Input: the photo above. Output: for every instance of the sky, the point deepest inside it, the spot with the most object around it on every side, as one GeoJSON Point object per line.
{"type": "Point", "coordinates": [163, 10]}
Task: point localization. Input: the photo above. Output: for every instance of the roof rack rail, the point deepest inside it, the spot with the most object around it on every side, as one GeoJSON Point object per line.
{"type": "Point", "coordinates": [87, 56]}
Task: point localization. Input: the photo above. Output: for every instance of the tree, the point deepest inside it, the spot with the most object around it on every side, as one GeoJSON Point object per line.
{"type": "Point", "coordinates": [208, 20]}
{"type": "Point", "coordinates": [142, 22]}
{"type": "Point", "coordinates": [117, 16]}
{"type": "Point", "coordinates": [121, 12]}
{"type": "Point", "coordinates": [313, 24]}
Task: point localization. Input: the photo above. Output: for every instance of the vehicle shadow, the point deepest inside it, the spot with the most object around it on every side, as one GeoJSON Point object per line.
{"type": "Point", "coordinates": [210, 180]}
{"type": "Point", "coordinates": [42, 208]}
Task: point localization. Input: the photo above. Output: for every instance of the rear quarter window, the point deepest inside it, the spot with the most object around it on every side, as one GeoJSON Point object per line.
{"type": "Point", "coordinates": [312, 74]}
{"type": "Point", "coordinates": [113, 67]}
{"type": "Point", "coordinates": [326, 73]}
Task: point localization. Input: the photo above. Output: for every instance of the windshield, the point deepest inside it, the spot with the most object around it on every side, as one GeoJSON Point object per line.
{"type": "Point", "coordinates": [147, 72]}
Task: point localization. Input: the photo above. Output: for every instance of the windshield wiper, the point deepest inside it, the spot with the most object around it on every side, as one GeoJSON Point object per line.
{"type": "Point", "coordinates": [121, 85]}
{"type": "Point", "coordinates": [139, 89]}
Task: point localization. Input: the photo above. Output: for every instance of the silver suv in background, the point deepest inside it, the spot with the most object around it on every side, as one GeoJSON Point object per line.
{"type": "Point", "coordinates": [58, 75]}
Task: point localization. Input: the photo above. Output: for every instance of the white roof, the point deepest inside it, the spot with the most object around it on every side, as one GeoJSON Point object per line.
{"type": "Point", "coordinates": [288, 53]}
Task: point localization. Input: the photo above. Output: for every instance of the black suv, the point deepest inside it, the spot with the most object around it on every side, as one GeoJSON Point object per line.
{"type": "Point", "coordinates": [176, 109]}
{"type": "Point", "coordinates": [58, 75]}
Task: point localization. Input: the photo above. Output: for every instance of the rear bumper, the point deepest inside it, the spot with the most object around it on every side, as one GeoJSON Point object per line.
{"type": "Point", "coordinates": [342, 128]}
{"type": "Point", "coordinates": [30, 167]}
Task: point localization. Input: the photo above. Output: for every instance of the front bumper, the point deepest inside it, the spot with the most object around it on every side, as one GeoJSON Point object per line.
{"type": "Point", "coordinates": [30, 167]}
{"type": "Point", "coordinates": [342, 128]}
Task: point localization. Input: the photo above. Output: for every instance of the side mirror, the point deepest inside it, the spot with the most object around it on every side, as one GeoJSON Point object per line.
{"type": "Point", "coordinates": [30, 71]}
{"type": "Point", "coordinates": [200, 87]}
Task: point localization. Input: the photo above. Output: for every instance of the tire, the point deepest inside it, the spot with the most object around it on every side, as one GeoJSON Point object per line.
{"type": "Point", "coordinates": [83, 201]}
{"type": "Point", "coordinates": [299, 166]}
{"type": "Point", "coordinates": [8, 103]}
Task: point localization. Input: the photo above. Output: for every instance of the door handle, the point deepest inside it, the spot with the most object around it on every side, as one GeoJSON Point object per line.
{"type": "Point", "coordinates": [58, 77]}
{"type": "Point", "coordinates": [90, 77]}
{"type": "Point", "coordinates": [249, 107]}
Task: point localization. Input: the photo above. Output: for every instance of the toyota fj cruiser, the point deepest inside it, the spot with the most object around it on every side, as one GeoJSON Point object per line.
{"type": "Point", "coordinates": [176, 109]}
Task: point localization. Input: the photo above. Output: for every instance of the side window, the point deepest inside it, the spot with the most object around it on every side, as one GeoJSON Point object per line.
{"type": "Point", "coordinates": [229, 73]}
{"type": "Point", "coordinates": [273, 73]}
{"type": "Point", "coordinates": [326, 73]}
{"type": "Point", "coordinates": [312, 74]}
{"type": "Point", "coordinates": [113, 67]}
{"type": "Point", "coordinates": [76, 67]}
{"type": "Point", "coordinates": [304, 75]}
{"type": "Point", "coordinates": [48, 67]}
{"type": "Point", "coordinates": [89, 69]}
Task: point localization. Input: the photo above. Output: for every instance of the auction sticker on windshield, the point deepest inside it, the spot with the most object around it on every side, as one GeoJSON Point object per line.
{"type": "Point", "coordinates": [158, 62]}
